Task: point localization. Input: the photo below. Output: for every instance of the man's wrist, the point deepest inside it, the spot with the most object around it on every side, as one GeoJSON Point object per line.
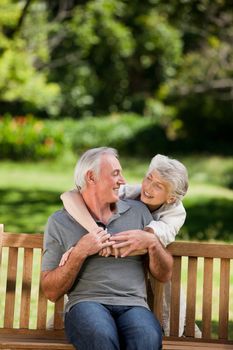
{"type": "Point", "coordinates": [153, 244]}
{"type": "Point", "coordinates": [79, 255]}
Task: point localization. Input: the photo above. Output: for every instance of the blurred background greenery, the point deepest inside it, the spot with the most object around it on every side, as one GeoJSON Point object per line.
{"type": "Point", "coordinates": [145, 77]}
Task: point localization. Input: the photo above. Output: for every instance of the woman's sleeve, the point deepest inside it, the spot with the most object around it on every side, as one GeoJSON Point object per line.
{"type": "Point", "coordinates": [168, 225]}
{"type": "Point", "coordinates": [129, 191]}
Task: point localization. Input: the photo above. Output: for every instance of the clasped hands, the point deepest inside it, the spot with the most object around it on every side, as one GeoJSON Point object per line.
{"type": "Point", "coordinates": [122, 244]}
{"type": "Point", "coordinates": [128, 243]}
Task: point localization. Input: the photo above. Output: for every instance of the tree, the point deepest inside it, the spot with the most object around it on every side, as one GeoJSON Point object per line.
{"type": "Point", "coordinates": [23, 88]}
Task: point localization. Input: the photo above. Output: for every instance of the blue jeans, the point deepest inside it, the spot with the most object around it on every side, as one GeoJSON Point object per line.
{"type": "Point", "coordinates": [93, 326]}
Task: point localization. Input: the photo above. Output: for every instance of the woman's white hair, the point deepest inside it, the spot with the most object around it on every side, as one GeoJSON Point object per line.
{"type": "Point", "coordinates": [173, 172]}
{"type": "Point", "coordinates": [90, 160]}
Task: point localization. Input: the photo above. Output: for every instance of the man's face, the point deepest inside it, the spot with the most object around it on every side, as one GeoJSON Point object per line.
{"type": "Point", "coordinates": [155, 191]}
{"type": "Point", "coordinates": [109, 179]}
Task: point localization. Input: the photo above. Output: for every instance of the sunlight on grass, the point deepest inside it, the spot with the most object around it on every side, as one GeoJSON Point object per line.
{"type": "Point", "coordinates": [209, 191]}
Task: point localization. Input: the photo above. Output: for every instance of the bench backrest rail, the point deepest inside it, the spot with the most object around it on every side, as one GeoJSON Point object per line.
{"type": "Point", "coordinates": [207, 255]}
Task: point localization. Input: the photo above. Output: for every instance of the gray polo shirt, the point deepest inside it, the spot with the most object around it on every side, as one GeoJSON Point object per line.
{"type": "Point", "coordinates": [105, 280]}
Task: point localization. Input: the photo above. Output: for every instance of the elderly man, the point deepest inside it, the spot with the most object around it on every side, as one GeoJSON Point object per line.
{"type": "Point", "coordinates": [107, 306]}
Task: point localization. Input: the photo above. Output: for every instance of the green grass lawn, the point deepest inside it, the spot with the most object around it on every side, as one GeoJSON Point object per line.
{"type": "Point", "coordinates": [30, 193]}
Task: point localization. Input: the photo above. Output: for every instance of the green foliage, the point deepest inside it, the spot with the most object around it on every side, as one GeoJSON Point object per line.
{"type": "Point", "coordinates": [210, 170]}
{"type": "Point", "coordinates": [118, 52]}
{"type": "Point", "coordinates": [115, 131]}
{"type": "Point", "coordinates": [28, 138]}
{"type": "Point", "coordinates": [208, 219]}
{"type": "Point", "coordinates": [20, 51]}
{"type": "Point", "coordinates": [171, 61]}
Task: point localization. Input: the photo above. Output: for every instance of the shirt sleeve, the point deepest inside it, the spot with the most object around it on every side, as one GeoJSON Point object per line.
{"type": "Point", "coordinates": [129, 191]}
{"type": "Point", "coordinates": [168, 224]}
{"type": "Point", "coordinates": [52, 246]}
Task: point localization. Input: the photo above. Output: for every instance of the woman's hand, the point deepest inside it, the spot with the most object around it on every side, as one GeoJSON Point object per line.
{"type": "Point", "coordinates": [132, 241]}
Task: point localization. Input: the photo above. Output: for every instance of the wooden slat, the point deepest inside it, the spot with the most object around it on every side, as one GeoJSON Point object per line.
{"type": "Point", "coordinates": [32, 333]}
{"type": "Point", "coordinates": [24, 240]}
{"type": "Point", "coordinates": [204, 250]}
{"type": "Point", "coordinates": [224, 299]}
{"type": "Point", "coordinates": [158, 300]}
{"type": "Point", "coordinates": [150, 291]}
{"type": "Point", "coordinates": [186, 344]}
{"type": "Point", "coordinates": [26, 288]}
{"type": "Point", "coordinates": [191, 297]}
{"type": "Point", "coordinates": [58, 314]}
{"type": "Point", "coordinates": [207, 298]}
{"type": "Point", "coordinates": [42, 308]}
{"type": "Point", "coordinates": [175, 297]}
{"type": "Point", "coordinates": [10, 288]}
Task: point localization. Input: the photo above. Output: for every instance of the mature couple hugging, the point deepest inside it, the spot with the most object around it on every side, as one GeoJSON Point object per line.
{"type": "Point", "coordinates": [107, 306]}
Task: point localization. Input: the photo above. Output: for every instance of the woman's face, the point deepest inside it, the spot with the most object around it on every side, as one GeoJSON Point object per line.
{"type": "Point", "coordinates": [155, 191]}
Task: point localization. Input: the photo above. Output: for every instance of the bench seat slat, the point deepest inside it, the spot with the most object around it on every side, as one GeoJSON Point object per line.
{"type": "Point", "coordinates": [195, 345]}
{"type": "Point", "coordinates": [34, 344]}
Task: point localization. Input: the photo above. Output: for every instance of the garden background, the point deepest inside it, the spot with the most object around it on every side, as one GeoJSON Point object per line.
{"type": "Point", "coordinates": [145, 77]}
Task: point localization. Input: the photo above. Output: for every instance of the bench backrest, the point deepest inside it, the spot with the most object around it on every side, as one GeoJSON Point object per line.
{"type": "Point", "coordinates": [23, 307]}
{"type": "Point", "coordinates": [202, 270]}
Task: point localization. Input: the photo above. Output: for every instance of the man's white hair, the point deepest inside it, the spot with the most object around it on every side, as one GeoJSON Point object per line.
{"type": "Point", "coordinates": [90, 160]}
{"type": "Point", "coordinates": [173, 172]}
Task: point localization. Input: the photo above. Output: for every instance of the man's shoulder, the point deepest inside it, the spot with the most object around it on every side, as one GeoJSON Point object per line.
{"type": "Point", "coordinates": [137, 205]}
{"type": "Point", "coordinates": [137, 213]}
{"type": "Point", "coordinates": [61, 217]}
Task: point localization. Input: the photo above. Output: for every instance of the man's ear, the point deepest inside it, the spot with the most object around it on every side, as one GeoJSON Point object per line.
{"type": "Point", "coordinates": [90, 177]}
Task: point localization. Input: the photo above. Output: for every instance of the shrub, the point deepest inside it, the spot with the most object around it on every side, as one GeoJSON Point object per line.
{"type": "Point", "coordinates": [117, 131]}
{"type": "Point", "coordinates": [25, 137]}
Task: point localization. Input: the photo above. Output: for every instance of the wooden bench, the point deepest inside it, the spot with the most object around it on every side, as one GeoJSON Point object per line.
{"type": "Point", "coordinates": [24, 311]}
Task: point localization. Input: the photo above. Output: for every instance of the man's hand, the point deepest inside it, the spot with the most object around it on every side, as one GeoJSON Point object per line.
{"type": "Point", "coordinates": [132, 240]}
{"type": "Point", "coordinates": [92, 242]}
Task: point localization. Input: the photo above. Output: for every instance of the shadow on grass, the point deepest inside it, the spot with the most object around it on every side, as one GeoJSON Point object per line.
{"type": "Point", "coordinates": [28, 211]}
{"type": "Point", "coordinates": [209, 219]}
